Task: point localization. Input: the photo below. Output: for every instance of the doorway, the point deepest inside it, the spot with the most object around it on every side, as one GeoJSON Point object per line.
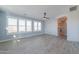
{"type": "Point", "coordinates": [62, 27]}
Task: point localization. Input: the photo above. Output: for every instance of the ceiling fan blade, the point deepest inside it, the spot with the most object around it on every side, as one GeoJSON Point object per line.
{"type": "Point", "coordinates": [47, 18]}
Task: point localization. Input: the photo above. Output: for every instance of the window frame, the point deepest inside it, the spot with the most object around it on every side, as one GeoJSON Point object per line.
{"type": "Point", "coordinates": [28, 26]}
{"type": "Point", "coordinates": [11, 25]}
{"type": "Point", "coordinates": [21, 25]}
{"type": "Point", "coordinates": [37, 26]}
{"type": "Point", "coordinates": [40, 26]}
{"type": "Point", "coordinates": [25, 20]}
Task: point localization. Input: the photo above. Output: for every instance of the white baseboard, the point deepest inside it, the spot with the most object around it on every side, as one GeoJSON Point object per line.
{"type": "Point", "coordinates": [20, 37]}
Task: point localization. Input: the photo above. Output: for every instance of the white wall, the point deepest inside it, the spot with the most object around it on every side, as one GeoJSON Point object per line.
{"type": "Point", "coordinates": [72, 26]}
{"type": "Point", "coordinates": [51, 27]}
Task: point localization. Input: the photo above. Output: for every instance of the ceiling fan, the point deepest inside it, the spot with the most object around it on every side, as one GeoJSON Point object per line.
{"type": "Point", "coordinates": [45, 17]}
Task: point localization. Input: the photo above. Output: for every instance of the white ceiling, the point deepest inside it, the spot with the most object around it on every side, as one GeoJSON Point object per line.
{"type": "Point", "coordinates": [36, 11]}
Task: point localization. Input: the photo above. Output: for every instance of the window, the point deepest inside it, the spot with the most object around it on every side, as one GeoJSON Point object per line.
{"type": "Point", "coordinates": [39, 26]}
{"type": "Point", "coordinates": [12, 25]}
{"type": "Point", "coordinates": [21, 25]}
{"type": "Point", "coordinates": [35, 26]}
{"type": "Point", "coordinates": [28, 25]}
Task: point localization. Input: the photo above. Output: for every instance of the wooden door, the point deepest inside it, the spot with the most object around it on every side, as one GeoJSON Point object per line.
{"type": "Point", "coordinates": [62, 27]}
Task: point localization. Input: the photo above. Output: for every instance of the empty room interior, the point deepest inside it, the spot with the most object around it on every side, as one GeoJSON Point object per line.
{"type": "Point", "coordinates": [39, 29]}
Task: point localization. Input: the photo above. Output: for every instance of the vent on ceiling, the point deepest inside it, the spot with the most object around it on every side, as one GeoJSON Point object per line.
{"type": "Point", "coordinates": [74, 8]}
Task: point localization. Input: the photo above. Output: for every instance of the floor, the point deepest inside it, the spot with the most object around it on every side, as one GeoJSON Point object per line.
{"type": "Point", "coordinates": [42, 44]}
